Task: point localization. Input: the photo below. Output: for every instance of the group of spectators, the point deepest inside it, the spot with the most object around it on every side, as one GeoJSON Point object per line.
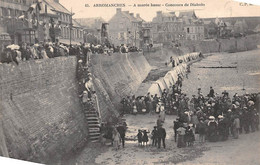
{"type": "Point", "coordinates": [216, 117]}
{"type": "Point", "coordinates": [45, 50]}
{"type": "Point", "coordinates": [25, 52]}
{"type": "Point", "coordinates": [169, 101]}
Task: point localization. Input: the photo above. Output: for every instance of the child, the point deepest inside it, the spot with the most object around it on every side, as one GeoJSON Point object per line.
{"type": "Point", "coordinates": [189, 136]}
{"type": "Point", "coordinates": [139, 137]}
{"type": "Point", "coordinates": [145, 138]}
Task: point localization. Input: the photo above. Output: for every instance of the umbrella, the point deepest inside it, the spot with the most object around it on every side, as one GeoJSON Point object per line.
{"type": "Point", "coordinates": [13, 47]}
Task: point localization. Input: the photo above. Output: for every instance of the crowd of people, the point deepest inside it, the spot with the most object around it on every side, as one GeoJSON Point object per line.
{"type": "Point", "coordinates": [45, 50]}
{"type": "Point", "coordinates": [214, 117]}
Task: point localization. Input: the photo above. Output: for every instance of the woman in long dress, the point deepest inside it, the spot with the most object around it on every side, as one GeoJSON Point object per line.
{"type": "Point", "coordinates": [116, 138]}
{"type": "Point", "coordinates": [162, 114]}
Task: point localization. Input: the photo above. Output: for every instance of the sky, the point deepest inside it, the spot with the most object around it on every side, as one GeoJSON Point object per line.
{"type": "Point", "coordinates": [210, 8]}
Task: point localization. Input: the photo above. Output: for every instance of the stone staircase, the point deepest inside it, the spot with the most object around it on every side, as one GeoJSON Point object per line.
{"type": "Point", "coordinates": [93, 123]}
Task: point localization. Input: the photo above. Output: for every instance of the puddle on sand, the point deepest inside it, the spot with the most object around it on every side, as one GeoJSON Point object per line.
{"type": "Point", "coordinates": [253, 73]}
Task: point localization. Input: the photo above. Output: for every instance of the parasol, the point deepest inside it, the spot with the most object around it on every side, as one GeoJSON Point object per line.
{"type": "Point", "coordinates": [13, 47]}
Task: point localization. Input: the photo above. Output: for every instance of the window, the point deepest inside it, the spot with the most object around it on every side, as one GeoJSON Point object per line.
{"type": "Point", "coordinates": [188, 30]}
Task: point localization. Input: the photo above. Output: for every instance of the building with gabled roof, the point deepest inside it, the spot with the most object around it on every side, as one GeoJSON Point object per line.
{"type": "Point", "coordinates": [64, 24]}
{"type": "Point", "coordinates": [189, 14]}
{"type": "Point", "coordinates": [193, 26]}
{"type": "Point", "coordinates": [92, 28]}
{"type": "Point", "coordinates": [166, 27]}
{"type": "Point", "coordinates": [125, 28]}
{"type": "Point", "coordinates": [56, 6]}
{"type": "Point", "coordinates": [37, 20]}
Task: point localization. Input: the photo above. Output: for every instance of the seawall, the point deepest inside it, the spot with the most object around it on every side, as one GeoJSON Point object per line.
{"type": "Point", "coordinates": [222, 45]}
{"type": "Point", "coordinates": [117, 76]}
{"type": "Point", "coordinates": [41, 117]}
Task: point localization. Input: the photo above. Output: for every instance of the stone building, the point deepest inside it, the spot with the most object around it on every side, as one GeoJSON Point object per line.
{"type": "Point", "coordinates": [125, 28]}
{"type": "Point", "coordinates": [92, 29]}
{"type": "Point", "coordinates": [193, 26]}
{"type": "Point", "coordinates": [64, 24]}
{"type": "Point", "coordinates": [147, 34]}
{"type": "Point", "coordinates": [31, 21]}
{"type": "Point", "coordinates": [167, 27]}
{"type": "Point", "coordinates": [18, 29]}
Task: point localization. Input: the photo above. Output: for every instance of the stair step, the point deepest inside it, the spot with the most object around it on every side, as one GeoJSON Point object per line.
{"type": "Point", "coordinates": [93, 125]}
{"type": "Point", "coordinates": [94, 137]}
{"type": "Point", "coordinates": [94, 134]}
{"type": "Point", "coordinates": [92, 118]}
{"type": "Point", "coordinates": [90, 113]}
{"type": "Point", "coordinates": [93, 122]}
{"type": "Point", "coordinates": [94, 129]}
{"type": "Point", "coordinates": [86, 112]}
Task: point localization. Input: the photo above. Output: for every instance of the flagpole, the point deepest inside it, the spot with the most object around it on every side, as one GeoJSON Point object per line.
{"type": "Point", "coordinates": [70, 25]}
{"type": "Point", "coordinates": [37, 15]}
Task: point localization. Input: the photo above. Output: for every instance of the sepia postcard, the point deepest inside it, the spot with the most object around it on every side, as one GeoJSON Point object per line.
{"type": "Point", "coordinates": [131, 82]}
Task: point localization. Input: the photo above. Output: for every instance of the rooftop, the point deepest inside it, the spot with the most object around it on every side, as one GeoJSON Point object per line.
{"type": "Point", "coordinates": [91, 23]}
{"type": "Point", "coordinates": [189, 14]}
{"type": "Point", "coordinates": [57, 6]}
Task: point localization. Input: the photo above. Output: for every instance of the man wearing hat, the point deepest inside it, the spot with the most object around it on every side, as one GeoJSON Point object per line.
{"type": "Point", "coordinates": [154, 136]}
{"type": "Point", "coordinates": [211, 92]}
{"type": "Point", "coordinates": [221, 128]}
{"type": "Point", "coordinates": [176, 125]}
{"type": "Point", "coordinates": [245, 120]}
{"type": "Point", "coordinates": [201, 129]}
{"type": "Point", "coordinates": [121, 129]}
{"type": "Point", "coordinates": [212, 129]}
{"type": "Point", "coordinates": [161, 136]}
{"type": "Point", "coordinates": [199, 91]}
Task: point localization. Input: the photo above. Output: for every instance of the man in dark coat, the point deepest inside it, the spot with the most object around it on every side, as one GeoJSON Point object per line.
{"type": "Point", "coordinates": [161, 136]}
{"type": "Point", "coordinates": [175, 127]}
{"type": "Point", "coordinates": [154, 136]}
{"type": "Point", "coordinates": [211, 92]}
{"type": "Point", "coordinates": [121, 129]}
{"type": "Point", "coordinates": [222, 125]}
{"type": "Point", "coordinates": [212, 129]}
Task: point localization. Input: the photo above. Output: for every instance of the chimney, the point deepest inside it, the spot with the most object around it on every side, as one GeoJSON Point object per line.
{"type": "Point", "coordinates": [159, 13]}
{"type": "Point", "coordinates": [56, 1]}
{"type": "Point", "coordinates": [132, 14]}
{"type": "Point", "coordinates": [137, 15]}
{"type": "Point", "coordinates": [118, 10]}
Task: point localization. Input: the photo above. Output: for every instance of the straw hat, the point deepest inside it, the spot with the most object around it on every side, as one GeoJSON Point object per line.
{"type": "Point", "coordinates": [220, 117]}
{"type": "Point", "coordinates": [211, 117]}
